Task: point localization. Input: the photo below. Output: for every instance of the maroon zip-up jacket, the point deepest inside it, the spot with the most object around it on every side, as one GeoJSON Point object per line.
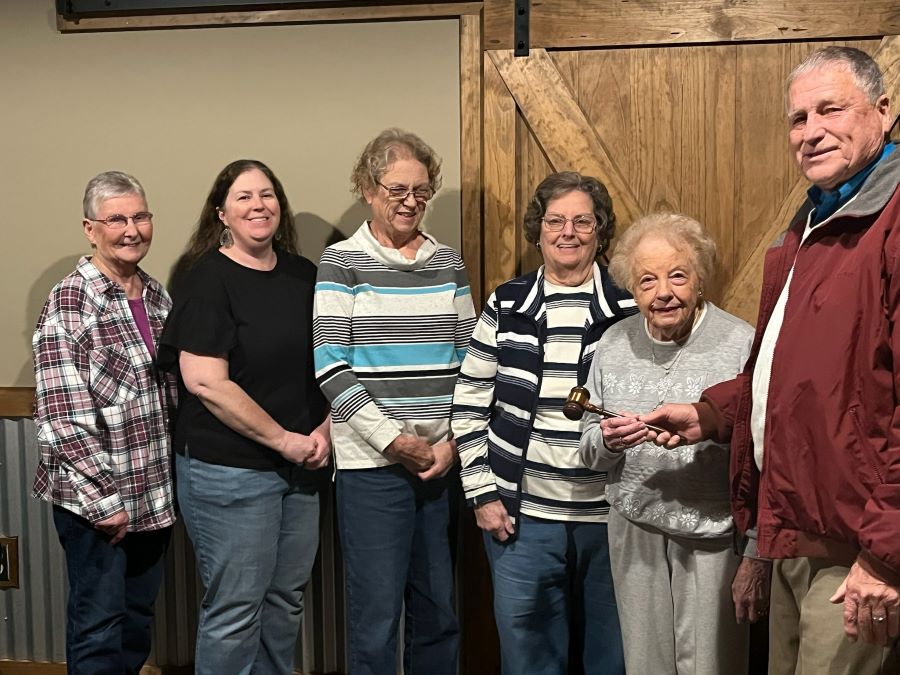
{"type": "Point", "coordinates": [831, 479]}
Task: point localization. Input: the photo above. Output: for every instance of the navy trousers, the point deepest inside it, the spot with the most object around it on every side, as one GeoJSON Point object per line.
{"type": "Point", "coordinates": [111, 594]}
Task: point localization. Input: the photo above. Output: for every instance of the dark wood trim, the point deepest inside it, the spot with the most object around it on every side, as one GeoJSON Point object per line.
{"type": "Point", "coordinates": [16, 402]}
{"type": "Point", "coordinates": [269, 17]}
{"type": "Point", "coordinates": [31, 668]}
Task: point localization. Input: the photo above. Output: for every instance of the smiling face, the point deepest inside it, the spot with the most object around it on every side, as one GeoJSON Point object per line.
{"type": "Point", "coordinates": [568, 255]}
{"type": "Point", "coordinates": [398, 220]}
{"type": "Point", "coordinates": [666, 287]}
{"type": "Point", "coordinates": [251, 210]}
{"type": "Point", "coordinates": [834, 130]}
{"type": "Point", "coordinates": [118, 251]}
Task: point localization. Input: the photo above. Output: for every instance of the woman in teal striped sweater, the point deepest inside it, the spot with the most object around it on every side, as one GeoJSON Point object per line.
{"type": "Point", "coordinates": [393, 316]}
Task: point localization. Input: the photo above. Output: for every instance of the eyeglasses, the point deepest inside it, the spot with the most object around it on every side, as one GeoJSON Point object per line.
{"type": "Point", "coordinates": [582, 224]}
{"type": "Point", "coordinates": [399, 193]}
{"type": "Point", "coordinates": [117, 221]}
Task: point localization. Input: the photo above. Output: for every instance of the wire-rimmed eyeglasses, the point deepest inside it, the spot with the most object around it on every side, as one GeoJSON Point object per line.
{"type": "Point", "coordinates": [117, 221]}
{"type": "Point", "coordinates": [399, 193]}
{"type": "Point", "coordinates": [582, 224]}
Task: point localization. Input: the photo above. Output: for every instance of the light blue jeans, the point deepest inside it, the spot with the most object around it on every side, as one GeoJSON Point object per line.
{"type": "Point", "coordinates": [554, 601]}
{"type": "Point", "coordinates": [255, 534]}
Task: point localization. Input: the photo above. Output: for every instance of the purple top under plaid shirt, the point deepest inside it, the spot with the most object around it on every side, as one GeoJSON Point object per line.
{"type": "Point", "coordinates": [102, 408]}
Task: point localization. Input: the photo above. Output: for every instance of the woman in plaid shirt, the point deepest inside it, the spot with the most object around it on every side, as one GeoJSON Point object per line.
{"type": "Point", "coordinates": [102, 414]}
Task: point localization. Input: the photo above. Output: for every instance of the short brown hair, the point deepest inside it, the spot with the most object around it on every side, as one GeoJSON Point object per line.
{"type": "Point", "coordinates": [558, 184]}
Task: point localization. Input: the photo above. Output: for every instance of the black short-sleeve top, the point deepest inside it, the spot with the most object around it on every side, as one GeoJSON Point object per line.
{"type": "Point", "coordinates": [261, 322]}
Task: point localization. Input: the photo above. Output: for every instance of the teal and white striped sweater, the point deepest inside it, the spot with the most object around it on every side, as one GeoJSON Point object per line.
{"type": "Point", "coordinates": [389, 336]}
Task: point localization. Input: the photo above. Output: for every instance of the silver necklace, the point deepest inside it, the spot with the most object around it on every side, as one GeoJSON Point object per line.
{"type": "Point", "coordinates": [665, 384]}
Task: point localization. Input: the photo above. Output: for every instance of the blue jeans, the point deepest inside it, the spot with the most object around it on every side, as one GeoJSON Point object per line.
{"type": "Point", "coordinates": [394, 537]}
{"type": "Point", "coordinates": [554, 601]}
{"type": "Point", "coordinates": [111, 594]}
{"type": "Point", "coordinates": [255, 534]}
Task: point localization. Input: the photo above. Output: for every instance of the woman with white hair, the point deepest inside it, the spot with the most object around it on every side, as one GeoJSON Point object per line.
{"type": "Point", "coordinates": [671, 535]}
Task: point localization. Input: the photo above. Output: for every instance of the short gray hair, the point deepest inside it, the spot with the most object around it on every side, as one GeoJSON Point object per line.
{"type": "Point", "coordinates": [683, 232]}
{"type": "Point", "coordinates": [107, 185]}
{"type": "Point", "coordinates": [865, 71]}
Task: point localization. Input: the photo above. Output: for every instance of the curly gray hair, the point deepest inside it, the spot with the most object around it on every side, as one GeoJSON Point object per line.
{"type": "Point", "coordinates": [386, 148]}
{"type": "Point", "coordinates": [681, 231]}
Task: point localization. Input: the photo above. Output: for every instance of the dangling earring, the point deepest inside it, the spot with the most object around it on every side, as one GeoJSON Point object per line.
{"type": "Point", "coordinates": [225, 239]}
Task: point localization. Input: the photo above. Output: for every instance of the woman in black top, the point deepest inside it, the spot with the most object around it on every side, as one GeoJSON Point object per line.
{"type": "Point", "coordinates": [252, 425]}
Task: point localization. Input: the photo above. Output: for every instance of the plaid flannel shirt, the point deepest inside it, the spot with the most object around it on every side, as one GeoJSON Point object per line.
{"type": "Point", "coordinates": [102, 407]}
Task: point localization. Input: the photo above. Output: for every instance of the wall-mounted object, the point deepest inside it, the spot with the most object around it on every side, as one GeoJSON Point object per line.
{"type": "Point", "coordinates": [9, 562]}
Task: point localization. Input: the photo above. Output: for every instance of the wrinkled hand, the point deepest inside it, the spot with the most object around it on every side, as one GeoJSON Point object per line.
{"type": "Point", "coordinates": [444, 458]}
{"type": "Point", "coordinates": [116, 526]}
{"type": "Point", "coordinates": [623, 432]}
{"type": "Point", "coordinates": [750, 589]}
{"type": "Point", "coordinates": [492, 517]}
{"type": "Point", "coordinates": [322, 452]}
{"type": "Point", "coordinates": [871, 605]}
{"type": "Point", "coordinates": [682, 421]}
{"type": "Point", "coordinates": [412, 452]}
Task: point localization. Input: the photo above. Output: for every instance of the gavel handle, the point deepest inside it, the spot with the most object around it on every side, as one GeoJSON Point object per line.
{"type": "Point", "coordinates": [603, 412]}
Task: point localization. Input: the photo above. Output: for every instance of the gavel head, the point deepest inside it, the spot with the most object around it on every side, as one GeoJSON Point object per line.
{"type": "Point", "coordinates": [577, 403]}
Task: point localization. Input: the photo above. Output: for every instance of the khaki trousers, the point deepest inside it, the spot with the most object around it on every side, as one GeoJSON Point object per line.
{"type": "Point", "coordinates": [806, 632]}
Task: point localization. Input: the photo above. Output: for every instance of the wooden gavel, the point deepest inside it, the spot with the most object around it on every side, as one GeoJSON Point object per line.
{"type": "Point", "coordinates": [579, 402]}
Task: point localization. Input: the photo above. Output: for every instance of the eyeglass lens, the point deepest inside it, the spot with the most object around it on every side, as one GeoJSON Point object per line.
{"type": "Point", "coordinates": [583, 224]}
{"type": "Point", "coordinates": [401, 192]}
{"type": "Point", "coordinates": [118, 221]}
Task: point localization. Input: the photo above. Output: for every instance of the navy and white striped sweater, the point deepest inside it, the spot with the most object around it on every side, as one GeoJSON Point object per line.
{"type": "Point", "coordinates": [497, 392]}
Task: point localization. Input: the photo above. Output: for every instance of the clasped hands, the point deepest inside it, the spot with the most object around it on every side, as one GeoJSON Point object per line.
{"type": "Point", "coordinates": [311, 452]}
{"type": "Point", "coordinates": [421, 459]}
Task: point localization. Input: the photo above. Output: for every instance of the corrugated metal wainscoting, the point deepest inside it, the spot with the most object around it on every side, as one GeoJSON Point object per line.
{"type": "Point", "coordinates": [32, 617]}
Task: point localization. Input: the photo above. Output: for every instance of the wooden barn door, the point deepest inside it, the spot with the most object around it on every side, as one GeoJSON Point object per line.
{"type": "Point", "coordinates": [675, 106]}
{"type": "Point", "coordinates": [667, 126]}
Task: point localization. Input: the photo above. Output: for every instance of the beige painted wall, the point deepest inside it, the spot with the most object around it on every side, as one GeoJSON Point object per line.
{"type": "Point", "coordinates": [173, 107]}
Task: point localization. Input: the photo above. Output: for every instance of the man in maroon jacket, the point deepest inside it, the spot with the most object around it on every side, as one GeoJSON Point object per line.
{"type": "Point", "coordinates": [814, 419]}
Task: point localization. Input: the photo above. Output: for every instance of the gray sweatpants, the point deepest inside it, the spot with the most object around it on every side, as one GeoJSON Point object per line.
{"type": "Point", "coordinates": [675, 606]}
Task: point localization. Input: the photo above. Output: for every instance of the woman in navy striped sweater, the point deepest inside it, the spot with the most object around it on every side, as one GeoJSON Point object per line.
{"type": "Point", "coordinates": [543, 512]}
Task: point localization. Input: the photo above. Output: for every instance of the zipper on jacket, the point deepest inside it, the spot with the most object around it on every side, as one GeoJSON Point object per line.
{"type": "Point", "coordinates": [859, 432]}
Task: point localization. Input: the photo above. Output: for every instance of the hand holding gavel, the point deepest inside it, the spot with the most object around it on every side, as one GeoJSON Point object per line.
{"type": "Point", "coordinates": [579, 402]}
